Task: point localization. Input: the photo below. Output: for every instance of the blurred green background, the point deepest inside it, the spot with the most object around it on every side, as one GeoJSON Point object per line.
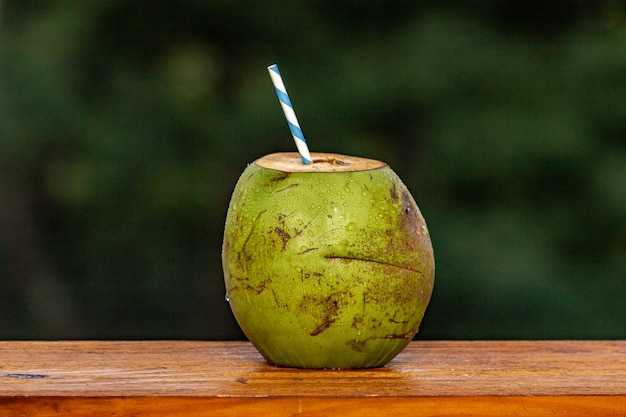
{"type": "Point", "coordinates": [125, 124]}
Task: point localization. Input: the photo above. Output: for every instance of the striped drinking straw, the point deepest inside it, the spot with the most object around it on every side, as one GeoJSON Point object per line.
{"type": "Point", "coordinates": [292, 121]}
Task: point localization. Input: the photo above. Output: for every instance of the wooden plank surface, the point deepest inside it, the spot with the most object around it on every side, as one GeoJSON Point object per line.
{"type": "Point", "coordinates": [148, 378]}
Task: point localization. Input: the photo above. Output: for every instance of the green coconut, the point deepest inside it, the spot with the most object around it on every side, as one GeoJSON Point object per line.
{"type": "Point", "coordinates": [326, 265]}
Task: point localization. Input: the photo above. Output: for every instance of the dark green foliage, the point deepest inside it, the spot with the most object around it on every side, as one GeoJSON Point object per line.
{"type": "Point", "coordinates": [124, 126]}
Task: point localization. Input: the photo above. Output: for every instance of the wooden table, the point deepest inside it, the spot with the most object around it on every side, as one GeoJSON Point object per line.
{"type": "Point", "coordinates": [181, 378]}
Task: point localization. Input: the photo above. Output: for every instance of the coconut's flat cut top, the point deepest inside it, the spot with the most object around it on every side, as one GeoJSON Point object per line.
{"type": "Point", "coordinates": [322, 162]}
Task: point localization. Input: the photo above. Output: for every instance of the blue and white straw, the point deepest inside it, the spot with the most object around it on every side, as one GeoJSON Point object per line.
{"type": "Point", "coordinates": [292, 121]}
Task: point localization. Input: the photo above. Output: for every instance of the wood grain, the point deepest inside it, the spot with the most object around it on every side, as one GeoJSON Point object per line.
{"type": "Point", "coordinates": [149, 378]}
